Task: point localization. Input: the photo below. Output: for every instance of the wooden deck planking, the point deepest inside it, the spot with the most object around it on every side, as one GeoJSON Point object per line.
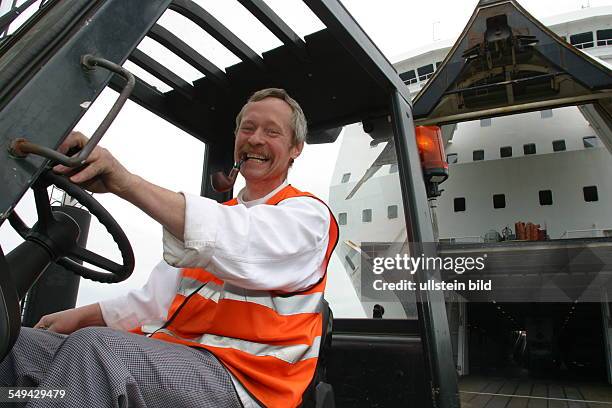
{"type": "Point", "coordinates": [492, 387]}
{"type": "Point", "coordinates": [524, 388]}
{"type": "Point", "coordinates": [551, 393]}
{"type": "Point", "coordinates": [556, 391]}
{"type": "Point", "coordinates": [538, 390]}
{"type": "Point", "coordinates": [573, 393]}
{"type": "Point", "coordinates": [498, 401]}
{"type": "Point", "coordinates": [597, 392]}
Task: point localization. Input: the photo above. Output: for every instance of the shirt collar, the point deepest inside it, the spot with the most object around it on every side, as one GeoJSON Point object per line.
{"type": "Point", "coordinates": [261, 200]}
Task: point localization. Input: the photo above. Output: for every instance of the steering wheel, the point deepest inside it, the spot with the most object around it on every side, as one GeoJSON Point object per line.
{"type": "Point", "coordinates": [44, 232]}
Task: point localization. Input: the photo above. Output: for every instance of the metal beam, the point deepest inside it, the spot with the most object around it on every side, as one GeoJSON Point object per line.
{"type": "Point", "coordinates": [27, 56]}
{"type": "Point", "coordinates": [8, 18]}
{"type": "Point", "coordinates": [606, 320]}
{"type": "Point", "coordinates": [513, 109]}
{"type": "Point", "coordinates": [4, 10]}
{"type": "Point", "coordinates": [277, 26]}
{"type": "Point", "coordinates": [448, 131]}
{"type": "Point", "coordinates": [170, 106]}
{"type": "Point", "coordinates": [162, 73]}
{"type": "Point", "coordinates": [189, 55]}
{"type": "Point", "coordinates": [6, 6]}
{"type": "Point", "coordinates": [218, 31]}
{"type": "Point", "coordinates": [350, 34]}
{"type": "Point", "coordinates": [431, 307]}
{"type": "Point", "coordinates": [600, 120]}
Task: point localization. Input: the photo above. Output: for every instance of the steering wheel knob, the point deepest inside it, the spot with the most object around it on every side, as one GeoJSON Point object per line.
{"type": "Point", "coordinates": [59, 236]}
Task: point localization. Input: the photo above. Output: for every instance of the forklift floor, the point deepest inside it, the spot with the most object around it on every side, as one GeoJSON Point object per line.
{"type": "Point", "coordinates": [480, 391]}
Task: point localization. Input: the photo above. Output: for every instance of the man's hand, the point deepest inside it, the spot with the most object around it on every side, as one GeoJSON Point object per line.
{"type": "Point", "coordinates": [71, 320]}
{"type": "Point", "coordinates": [102, 173]}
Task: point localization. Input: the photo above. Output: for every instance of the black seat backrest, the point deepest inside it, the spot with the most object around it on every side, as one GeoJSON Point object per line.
{"type": "Point", "coordinates": [309, 396]}
{"type": "Point", "coordinates": [10, 314]}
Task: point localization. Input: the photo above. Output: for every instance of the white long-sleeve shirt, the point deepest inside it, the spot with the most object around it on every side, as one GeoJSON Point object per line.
{"type": "Point", "coordinates": [253, 246]}
{"type": "Point", "coordinates": [249, 245]}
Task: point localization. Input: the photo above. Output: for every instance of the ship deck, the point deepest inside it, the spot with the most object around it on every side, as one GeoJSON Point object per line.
{"type": "Point", "coordinates": [537, 271]}
{"type": "Point", "coordinates": [480, 391]}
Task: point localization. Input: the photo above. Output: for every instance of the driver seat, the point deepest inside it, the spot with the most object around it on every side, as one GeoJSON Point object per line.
{"type": "Point", "coordinates": [10, 313]}
{"type": "Point", "coordinates": [319, 394]}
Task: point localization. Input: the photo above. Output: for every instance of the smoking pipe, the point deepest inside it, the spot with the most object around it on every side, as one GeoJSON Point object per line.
{"type": "Point", "coordinates": [222, 182]}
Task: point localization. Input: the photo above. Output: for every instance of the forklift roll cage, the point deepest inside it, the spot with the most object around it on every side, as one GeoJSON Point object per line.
{"type": "Point", "coordinates": [338, 75]}
{"type": "Point", "coordinates": [58, 62]}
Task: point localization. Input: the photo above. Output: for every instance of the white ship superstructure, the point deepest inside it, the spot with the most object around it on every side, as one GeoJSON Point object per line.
{"type": "Point", "coordinates": [516, 157]}
{"type": "Point", "coordinates": [546, 167]}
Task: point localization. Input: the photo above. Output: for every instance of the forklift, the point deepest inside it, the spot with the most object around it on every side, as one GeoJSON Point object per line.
{"type": "Point", "coordinates": [56, 64]}
{"type": "Point", "coordinates": [59, 61]}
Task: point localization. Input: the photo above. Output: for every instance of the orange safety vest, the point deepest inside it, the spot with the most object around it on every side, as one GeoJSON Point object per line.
{"type": "Point", "coordinates": [268, 340]}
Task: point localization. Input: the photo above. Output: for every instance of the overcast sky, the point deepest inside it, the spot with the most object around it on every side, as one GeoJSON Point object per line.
{"type": "Point", "coordinates": [166, 156]}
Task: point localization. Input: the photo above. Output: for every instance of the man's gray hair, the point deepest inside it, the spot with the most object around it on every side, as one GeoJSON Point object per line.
{"type": "Point", "coordinates": [298, 119]}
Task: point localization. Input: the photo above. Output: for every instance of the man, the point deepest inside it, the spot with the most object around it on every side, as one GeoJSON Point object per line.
{"type": "Point", "coordinates": [246, 301]}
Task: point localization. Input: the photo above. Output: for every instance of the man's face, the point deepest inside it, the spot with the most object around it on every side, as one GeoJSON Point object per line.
{"type": "Point", "coordinates": [265, 139]}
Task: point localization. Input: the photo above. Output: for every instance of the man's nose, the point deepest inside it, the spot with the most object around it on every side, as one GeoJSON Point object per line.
{"type": "Point", "coordinates": [257, 137]}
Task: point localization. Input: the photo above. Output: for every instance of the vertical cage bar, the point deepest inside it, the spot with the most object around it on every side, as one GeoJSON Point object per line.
{"type": "Point", "coordinates": [431, 307]}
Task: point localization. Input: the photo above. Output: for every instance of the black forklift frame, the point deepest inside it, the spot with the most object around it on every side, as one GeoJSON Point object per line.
{"type": "Point", "coordinates": [44, 92]}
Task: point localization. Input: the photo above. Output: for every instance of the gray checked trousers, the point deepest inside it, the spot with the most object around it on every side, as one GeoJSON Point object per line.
{"type": "Point", "coordinates": [102, 367]}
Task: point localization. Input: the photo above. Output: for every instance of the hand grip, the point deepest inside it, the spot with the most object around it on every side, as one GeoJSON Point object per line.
{"type": "Point", "coordinates": [21, 147]}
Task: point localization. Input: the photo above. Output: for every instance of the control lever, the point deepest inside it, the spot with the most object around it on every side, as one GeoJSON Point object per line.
{"type": "Point", "coordinates": [21, 147]}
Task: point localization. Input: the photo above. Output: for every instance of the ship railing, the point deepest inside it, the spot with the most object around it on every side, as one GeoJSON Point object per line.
{"type": "Point", "coordinates": [462, 240]}
{"type": "Point", "coordinates": [411, 81]}
{"type": "Point", "coordinates": [603, 43]}
{"type": "Point", "coordinates": [588, 233]}
{"type": "Point", "coordinates": [588, 44]}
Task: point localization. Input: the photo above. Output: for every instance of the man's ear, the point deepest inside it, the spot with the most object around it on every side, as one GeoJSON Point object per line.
{"type": "Point", "coordinates": [296, 150]}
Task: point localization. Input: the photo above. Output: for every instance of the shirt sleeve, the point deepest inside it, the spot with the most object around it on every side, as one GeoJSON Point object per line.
{"type": "Point", "coordinates": [264, 247]}
{"type": "Point", "coordinates": [147, 304]}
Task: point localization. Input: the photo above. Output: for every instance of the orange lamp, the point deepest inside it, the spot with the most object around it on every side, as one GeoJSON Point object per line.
{"type": "Point", "coordinates": [431, 152]}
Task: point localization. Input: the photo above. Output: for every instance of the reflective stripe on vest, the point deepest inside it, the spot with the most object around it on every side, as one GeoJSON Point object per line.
{"type": "Point", "coordinates": [269, 341]}
{"type": "Point", "coordinates": [284, 306]}
{"type": "Point", "coordinates": [289, 354]}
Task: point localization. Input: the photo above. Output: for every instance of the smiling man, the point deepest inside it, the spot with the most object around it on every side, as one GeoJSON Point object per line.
{"type": "Point", "coordinates": [241, 286]}
{"type": "Point", "coordinates": [261, 142]}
